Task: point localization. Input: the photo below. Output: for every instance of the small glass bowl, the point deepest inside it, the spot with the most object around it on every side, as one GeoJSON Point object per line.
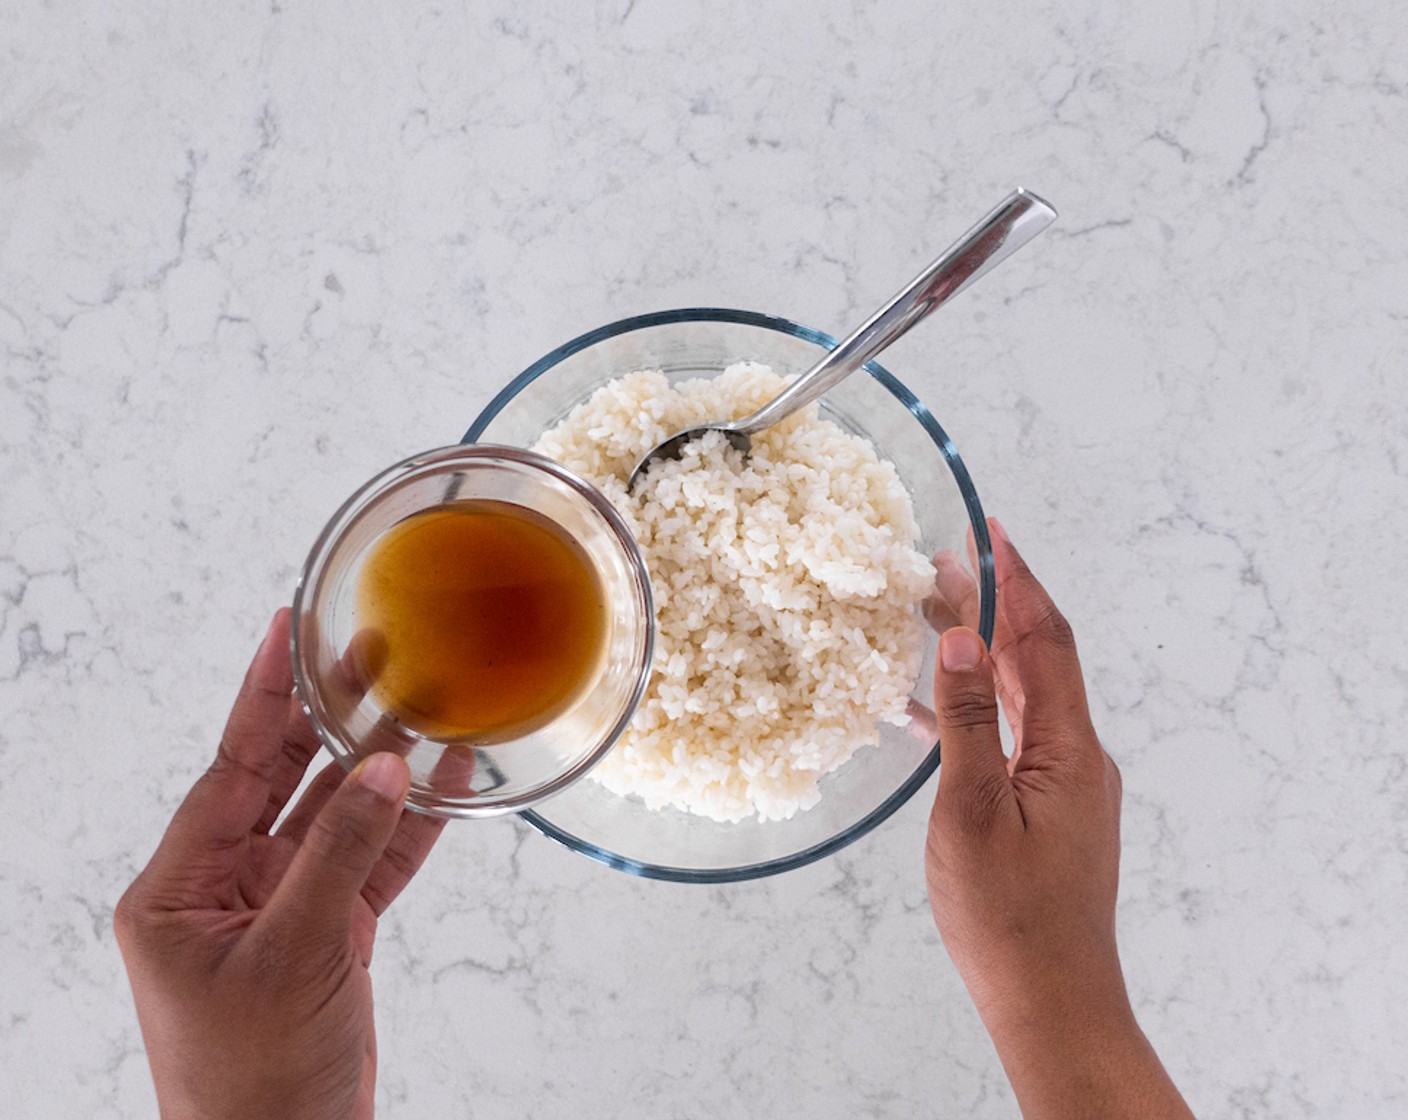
{"type": "Point", "coordinates": [462, 777]}
{"type": "Point", "coordinates": [701, 342]}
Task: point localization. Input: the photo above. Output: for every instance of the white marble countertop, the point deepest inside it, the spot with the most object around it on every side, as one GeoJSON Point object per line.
{"type": "Point", "coordinates": [250, 253]}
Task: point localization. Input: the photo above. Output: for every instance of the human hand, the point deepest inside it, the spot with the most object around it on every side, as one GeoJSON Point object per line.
{"type": "Point", "coordinates": [1022, 861]}
{"type": "Point", "coordinates": [247, 948]}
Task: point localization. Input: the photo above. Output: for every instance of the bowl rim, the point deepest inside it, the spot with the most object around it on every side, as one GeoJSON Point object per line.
{"type": "Point", "coordinates": [313, 573]}
{"type": "Point", "coordinates": [987, 592]}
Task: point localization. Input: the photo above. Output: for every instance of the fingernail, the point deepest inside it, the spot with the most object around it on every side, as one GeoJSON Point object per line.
{"type": "Point", "coordinates": [995, 527]}
{"type": "Point", "coordinates": [384, 774]}
{"type": "Point", "coordinates": [960, 650]}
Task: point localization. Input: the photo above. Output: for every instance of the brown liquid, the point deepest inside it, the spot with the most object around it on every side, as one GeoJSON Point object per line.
{"type": "Point", "coordinates": [492, 620]}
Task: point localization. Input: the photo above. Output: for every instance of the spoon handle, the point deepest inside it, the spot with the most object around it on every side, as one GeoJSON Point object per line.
{"type": "Point", "coordinates": [1015, 221]}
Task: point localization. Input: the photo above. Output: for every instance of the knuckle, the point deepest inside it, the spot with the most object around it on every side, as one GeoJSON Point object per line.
{"type": "Point", "coordinates": [401, 868]}
{"type": "Point", "coordinates": [1113, 778]}
{"type": "Point", "coordinates": [976, 810]}
{"type": "Point", "coordinates": [135, 920]}
{"type": "Point", "coordinates": [282, 957]}
{"type": "Point", "coordinates": [344, 838]}
{"type": "Point", "coordinates": [126, 915]}
{"type": "Point", "coordinates": [399, 861]}
{"type": "Point", "coordinates": [1053, 627]}
{"type": "Point", "coordinates": [968, 708]}
{"type": "Point", "coordinates": [229, 770]}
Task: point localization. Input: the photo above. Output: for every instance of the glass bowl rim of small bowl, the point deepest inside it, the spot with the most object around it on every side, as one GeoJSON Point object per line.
{"type": "Point", "coordinates": [986, 581]}
{"type": "Point", "coordinates": [384, 484]}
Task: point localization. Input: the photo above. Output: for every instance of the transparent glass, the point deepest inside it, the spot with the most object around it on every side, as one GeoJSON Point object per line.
{"type": "Point", "coordinates": [672, 844]}
{"type": "Point", "coordinates": [464, 777]}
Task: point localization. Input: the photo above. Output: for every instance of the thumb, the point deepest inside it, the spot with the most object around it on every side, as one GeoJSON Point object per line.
{"type": "Point", "coordinates": [973, 778]}
{"type": "Point", "coordinates": [342, 845]}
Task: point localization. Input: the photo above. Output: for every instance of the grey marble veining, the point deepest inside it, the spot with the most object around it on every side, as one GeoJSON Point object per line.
{"type": "Point", "coordinates": [250, 253]}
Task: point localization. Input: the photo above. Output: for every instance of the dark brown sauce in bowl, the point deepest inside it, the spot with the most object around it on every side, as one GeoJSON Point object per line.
{"type": "Point", "coordinates": [492, 620]}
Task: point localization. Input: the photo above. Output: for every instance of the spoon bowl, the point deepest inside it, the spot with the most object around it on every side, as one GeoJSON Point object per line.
{"type": "Point", "coordinates": [674, 447]}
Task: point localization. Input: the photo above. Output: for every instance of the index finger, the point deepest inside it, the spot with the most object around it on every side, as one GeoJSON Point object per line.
{"type": "Point", "coordinates": [228, 799]}
{"type": "Point", "coordinates": [351, 678]}
{"type": "Point", "coordinates": [1040, 648]}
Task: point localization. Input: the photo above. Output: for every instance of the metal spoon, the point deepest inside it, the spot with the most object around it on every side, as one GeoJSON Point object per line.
{"type": "Point", "coordinates": [1014, 222]}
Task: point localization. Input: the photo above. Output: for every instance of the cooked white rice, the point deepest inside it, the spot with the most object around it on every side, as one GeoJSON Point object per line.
{"type": "Point", "coordinates": [786, 590]}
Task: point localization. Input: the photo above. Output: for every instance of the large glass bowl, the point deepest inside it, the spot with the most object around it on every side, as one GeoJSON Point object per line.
{"type": "Point", "coordinates": [670, 843]}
